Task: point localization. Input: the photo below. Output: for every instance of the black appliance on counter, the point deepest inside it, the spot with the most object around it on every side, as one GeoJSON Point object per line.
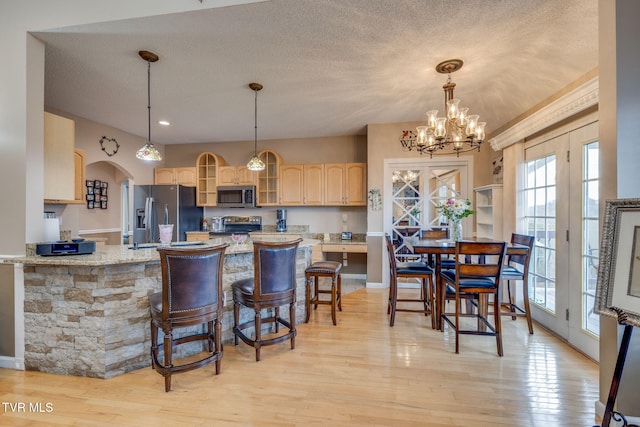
{"type": "Point", "coordinates": [239, 225]}
{"type": "Point", "coordinates": [164, 204]}
{"type": "Point", "coordinates": [66, 247]}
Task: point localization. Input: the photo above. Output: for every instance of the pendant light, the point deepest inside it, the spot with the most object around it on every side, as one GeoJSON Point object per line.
{"type": "Point", "coordinates": [255, 164]}
{"type": "Point", "coordinates": [148, 151]}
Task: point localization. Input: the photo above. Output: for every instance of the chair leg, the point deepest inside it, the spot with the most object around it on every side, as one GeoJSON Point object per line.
{"type": "Point", "coordinates": [457, 327]}
{"type": "Point", "coordinates": [339, 292]}
{"type": "Point", "coordinates": [512, 299]}
{"type": "Point", "coordinates": [432, 307]}
{"type": "Point", "coordinates": [334, 297]}
{"type": "Point", "coordinates": [498, 322]}
{"type": "Point", "coordinates": [236, 320]}
{"type": "Point", "coordinates": [393, 299]}
{"type": "Point", "coordinates": [154, 344]}
{"type": "Point", "coordinates": [258, 333]}
{"type": "Point", "coordinates": [217, 337]}
{"type": "Point", "coordinates": [276, 316]}
{"type": "Point", "coordinates": [525, 295]}
{"type": "Point", "coordinates": [424, 295]}
{"type": "Point", "coordinates": [292, 322]}
{"type": "Point", "coordinates": [168, 362]}
{"type": "Point", "coordinates": [307, 303]}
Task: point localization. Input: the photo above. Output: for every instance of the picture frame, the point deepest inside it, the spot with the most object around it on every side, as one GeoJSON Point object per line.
{"type": "Point", "coordinates": [346, 235]}
{"type": "Point", "coordinates": [618, 284]}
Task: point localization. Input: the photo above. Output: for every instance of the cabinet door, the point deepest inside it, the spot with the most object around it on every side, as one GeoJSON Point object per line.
{"type": "Point", "coordinates": [59, 142]}
{"type": "Point", "coordinates": [244, 176]}
{"type": "Point", "coordinates": [186, 176]}
{"type": "Point", "coordinates": [206, 175]}
{"type": "Point", "coordinates": [334, 184]}
{"type": "Point", "coordinates": [268, 180]}
{"type": "Point", "coordinates": [355, 191]}
{"type": "Point", "coordinates": [79, 172]}
{"type": "Point", "coordinates": [313, 184]}
{"type": "Point", "coordinates": [227, 175]}
{"type": "Point", "coordinates": [164, 176]}
{"type": "Point", "coordinates": [291, 190]}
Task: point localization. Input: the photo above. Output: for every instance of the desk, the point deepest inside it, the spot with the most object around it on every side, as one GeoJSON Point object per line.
{"type": "Point", "coordinates": [448, 247]}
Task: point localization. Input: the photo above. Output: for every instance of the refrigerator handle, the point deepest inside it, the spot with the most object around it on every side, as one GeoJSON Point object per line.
{"type": "Point", "coordinates": [166, 213]}
{"type": "Point", "coordinates": [148, 219]}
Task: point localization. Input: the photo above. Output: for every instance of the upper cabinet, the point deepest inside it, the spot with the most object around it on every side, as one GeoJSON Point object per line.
{"type": "Point", "coordinates": [59, 163]}
{"type": "Point", "coordinates": [345, 184]}
{"type": "Point", "coordinates": [207, 166]}
{"type": "Point", "coordinates": [236, 175]}
{"type": "Point", "coordinates": [183, 176]}
{"type": "Point", "coordinates": [267, 182]}
{"type": "Point", "coordinates": [301, 185]}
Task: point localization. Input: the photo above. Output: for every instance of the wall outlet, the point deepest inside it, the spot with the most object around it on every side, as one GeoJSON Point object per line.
{"type": "Point", "coordinates": [345, 217]}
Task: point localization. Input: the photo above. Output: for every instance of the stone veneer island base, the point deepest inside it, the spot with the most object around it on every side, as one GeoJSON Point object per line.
{"type": "Point", "coordinates": [88, 315]}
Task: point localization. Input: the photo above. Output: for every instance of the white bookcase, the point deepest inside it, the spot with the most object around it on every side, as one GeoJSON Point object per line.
{"type": "Point", "coordinates": [489, 211]}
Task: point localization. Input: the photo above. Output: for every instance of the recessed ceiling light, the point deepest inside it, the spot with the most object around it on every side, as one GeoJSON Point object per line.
{"type": "Point", "coordinates": [164, 123]}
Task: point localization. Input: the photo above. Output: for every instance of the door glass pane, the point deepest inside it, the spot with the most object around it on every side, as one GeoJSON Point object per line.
{"type": "Point", "coordinates": [590, 239]}
{"type": "Point", "coordinates": [540, 206]}
{"type": "Point", "coordinates": [407, 209]}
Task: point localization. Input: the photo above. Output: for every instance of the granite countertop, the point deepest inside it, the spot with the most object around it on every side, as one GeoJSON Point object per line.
{"type": "Point", "coordinates": [123, 254]}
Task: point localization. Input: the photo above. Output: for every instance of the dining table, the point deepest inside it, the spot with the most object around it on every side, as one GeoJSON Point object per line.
{"type": "Point", "coordinates": [439, 247]}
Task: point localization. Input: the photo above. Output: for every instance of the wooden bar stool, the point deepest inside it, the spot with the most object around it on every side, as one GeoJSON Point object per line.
{"type": "Point", "coordinates": [312, 274]}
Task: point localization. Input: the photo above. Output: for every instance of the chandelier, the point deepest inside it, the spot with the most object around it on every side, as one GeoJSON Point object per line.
{"type": "Point", "coordinates": [255, 164]}
{"type": "Point", "coordinates": [457, 132]}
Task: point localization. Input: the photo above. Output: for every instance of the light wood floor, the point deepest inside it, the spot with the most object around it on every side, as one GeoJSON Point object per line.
{"type": "Point", "coordinates": [358, 373]}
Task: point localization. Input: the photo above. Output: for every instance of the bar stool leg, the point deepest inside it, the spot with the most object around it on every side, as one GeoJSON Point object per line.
{"type": "Point", "coordinates": [307, 298]}
{"type": "Point", "coordinates": [333, 299]}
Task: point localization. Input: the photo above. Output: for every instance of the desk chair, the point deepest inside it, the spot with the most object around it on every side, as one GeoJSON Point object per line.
{"type": "Point", "coordinates": [191, 295]}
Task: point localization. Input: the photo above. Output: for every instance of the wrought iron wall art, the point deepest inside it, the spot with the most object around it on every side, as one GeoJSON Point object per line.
{"type": "Point", "coordinates": [109, 145]}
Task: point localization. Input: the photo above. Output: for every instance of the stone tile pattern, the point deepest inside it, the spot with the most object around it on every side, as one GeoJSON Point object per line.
{"type": "Point", "coordinates": [94, 320]}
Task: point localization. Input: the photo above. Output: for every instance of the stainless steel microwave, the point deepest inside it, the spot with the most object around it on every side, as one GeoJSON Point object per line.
{"type": "Point", "coordinates": [236, 196]}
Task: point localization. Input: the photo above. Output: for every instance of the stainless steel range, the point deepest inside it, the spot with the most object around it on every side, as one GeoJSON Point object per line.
{"type": "Point", "coordinates": [240, 224]}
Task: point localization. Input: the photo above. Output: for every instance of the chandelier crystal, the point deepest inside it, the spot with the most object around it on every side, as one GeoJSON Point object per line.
{"type": "Point", "coordinates": [458, 131]}
{"type": "Point", "coordinates": [255, 164]}
{"type": "Point", "coordinates": [148, 151]}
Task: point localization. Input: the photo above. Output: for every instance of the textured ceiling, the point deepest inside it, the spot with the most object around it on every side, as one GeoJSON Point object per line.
{"type": "Point", "coordinates": [329, 67]}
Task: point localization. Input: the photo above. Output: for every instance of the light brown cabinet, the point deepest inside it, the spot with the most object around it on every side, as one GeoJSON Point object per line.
{"type": "Point", "coordinates": [301, 185]}
{"type": "Point", "coordinates": [345, 184]}
{"type": "Point", "coordinates": [236, 175]}
{"type": "Point", "coordinates": [59, 170]}
{"type": "Point", "coordinates": [183, 176]}
{"type": "Point", "coordinates": [79, 165]}
{"type": "Point", "coordinates": [207, 166]}
{"type": "Point", "coordinates": [267, 183]}
{"type": "Point", "coordinates": [291, 177]}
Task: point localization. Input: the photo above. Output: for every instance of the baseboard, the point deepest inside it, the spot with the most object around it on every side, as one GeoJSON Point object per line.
{"type": "Point", "coordinates": [600, 413]}
{"type": "Point", "coordinates": [11, 363]}
{"type": "Point", "coordinates": [375, 285]}
{"type": "Point", "coordinates": [354, 276]}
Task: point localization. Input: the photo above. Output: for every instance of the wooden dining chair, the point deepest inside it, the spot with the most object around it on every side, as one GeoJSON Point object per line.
{"type": "Point", "coordinates": [402, 270]}
{"type": "Point", "coordinates": [477, 274]}
{"type": "Point", "coordinates": [191, 295]}
{"type": "Point", "coordinates": [517, 268]}
{"type": "Point", "coordinates": [433, 234]}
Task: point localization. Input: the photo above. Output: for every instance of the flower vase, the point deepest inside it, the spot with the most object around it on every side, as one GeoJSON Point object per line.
{"type": "Point", "coordinates": [456, 230]}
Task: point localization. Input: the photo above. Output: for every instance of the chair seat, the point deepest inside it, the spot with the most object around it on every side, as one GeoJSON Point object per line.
{"type": "Point", "coordinates": [155, 301]}
{"type": "Point", "coordinates": [414, 271]}
{"type": "Point", "coordinates": [509, 271]}
{"type": "Point", "coordinates": [448, 264]}
{"type": "Point", "coordinates": [416, 265]}
{"type": "Point", "coordinates": [324, 267]}
{"type": "Point", "coordinates": [476, 282]}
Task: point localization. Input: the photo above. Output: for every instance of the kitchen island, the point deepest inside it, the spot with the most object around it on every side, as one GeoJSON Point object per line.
{"type": "Point", "coordinates": [88, 315]}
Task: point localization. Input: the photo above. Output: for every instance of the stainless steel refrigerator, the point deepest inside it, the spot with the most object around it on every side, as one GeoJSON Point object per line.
{"type": "Point", "coordinates": [164, 204]}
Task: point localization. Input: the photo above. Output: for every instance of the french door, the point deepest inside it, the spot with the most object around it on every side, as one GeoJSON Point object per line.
{"type": "Point", "coordinates": [561, 211]}
{"type": "Point", "coordinates": [413, 189]}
